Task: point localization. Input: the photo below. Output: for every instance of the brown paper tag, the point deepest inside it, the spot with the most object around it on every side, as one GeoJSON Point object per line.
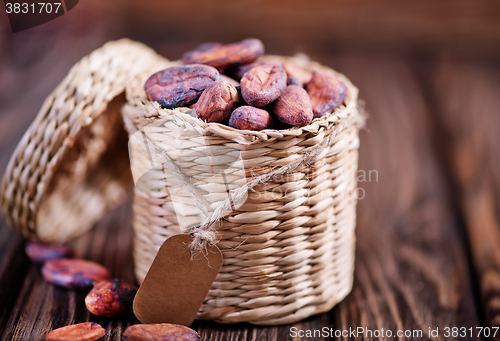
{"type": "Point", "coordinates": [177, 283]}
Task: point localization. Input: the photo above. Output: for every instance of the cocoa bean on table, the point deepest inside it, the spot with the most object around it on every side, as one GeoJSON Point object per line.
{"type": "Point", "coordinates": [87, 331]}
{"type": "Point", "coordinates": [159, 332]}
{"type": "Point", "coordinates": [40, 253]}
{"type": "Point", "coordinates": [74, 273]}
{"type": "Point", "coordinates": [110, 298]}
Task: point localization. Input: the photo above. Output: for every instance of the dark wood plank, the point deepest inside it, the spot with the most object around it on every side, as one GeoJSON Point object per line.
{"type": "Point", "coordinates": [411, 269]}
{"type": "Point", "coordinates": [288, 26]}
{"type": "Point", "coordinates": [466, 102]}
{"type": "Point", "coordinates": [13, 269]}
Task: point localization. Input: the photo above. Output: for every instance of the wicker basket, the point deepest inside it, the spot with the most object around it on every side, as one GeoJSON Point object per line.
{"type": "Point", "coordinates": [289, 249]}
{"type": "Point", "coordinates": [286, 256]}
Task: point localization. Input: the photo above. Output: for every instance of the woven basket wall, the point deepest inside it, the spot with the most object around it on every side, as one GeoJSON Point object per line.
{"type": "Point", "coordinates": [289, 249]}
{"type": "Point", "coordinates": [71, 166]}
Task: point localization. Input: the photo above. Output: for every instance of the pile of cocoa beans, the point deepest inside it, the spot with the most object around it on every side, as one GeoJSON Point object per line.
{"type": "Point", "coordinates": [227, 84]}
{"type": "Point", "coordinates": [107, 297]}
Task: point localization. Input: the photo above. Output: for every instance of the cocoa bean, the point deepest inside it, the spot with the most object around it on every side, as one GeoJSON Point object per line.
{"type": "Point", "coordinates": [217, 102]}
{"type": "Point", "coordinates": [110, 298]}
{"type": "Point", "coordinates": [293, 81]}
{"type": "Point", "coordinates": [327, 93]}
{"type": "Point", "coordinates": [294, 71]}
{"type": "Point", "coordinates": [226, 56]}
{"type": "Point", "coordinates": [40, 253]}
{"type": "Point", "coordinates": [237, 72]}
{"type": "Point", "coordinates": [180, 86]}
{"type": "Point", "coordinates": [159, 332]}
{"type": "Point", "coordinates": [250, 118]}
{"type": "Point", "coordinates": [87, 331]}
{"type": "Point", "coordinates": [263, 84]}
{"type": "Point", "coordinates": [293, 107]}
{"type": "Point", "coordinates": [281, 126]}
{"type": "Point", "coordinates": [74, 273]}
{"type": "Point", "coordinates": [230, 80]}
{"type": "Point", "coordinates": [207, 46]}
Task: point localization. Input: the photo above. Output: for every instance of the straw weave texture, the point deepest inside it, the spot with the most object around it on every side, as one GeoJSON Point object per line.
{"type": "Point", "coordinates": [289, 249]}
{"type": "Point", "coordinates": [71, 166]}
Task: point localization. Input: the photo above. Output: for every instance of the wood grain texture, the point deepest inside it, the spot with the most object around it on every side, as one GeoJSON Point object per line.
{"type": "Point", "coordinates": [289, 26]}
{"type": "Point", "coordinates": [41, 307]}
{"type": "Point", "coordinates": [412, 270]}
{"type": "Point", "coordinates": [467, 107]}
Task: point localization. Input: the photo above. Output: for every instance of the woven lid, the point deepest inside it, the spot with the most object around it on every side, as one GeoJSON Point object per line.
{"type": "Point", "coordinates": [71, 166]}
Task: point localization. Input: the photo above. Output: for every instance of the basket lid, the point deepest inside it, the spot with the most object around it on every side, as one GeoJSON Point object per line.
{"type": "Point", "coordinates": [71, 166]}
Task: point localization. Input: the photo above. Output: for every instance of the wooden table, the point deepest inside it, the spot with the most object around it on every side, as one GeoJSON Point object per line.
{"type": "Point", "coordinates": [428, 250]}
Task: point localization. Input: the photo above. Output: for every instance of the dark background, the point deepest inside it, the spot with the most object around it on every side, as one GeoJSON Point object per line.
{"type": "Point", "coordinates": [428, 252]}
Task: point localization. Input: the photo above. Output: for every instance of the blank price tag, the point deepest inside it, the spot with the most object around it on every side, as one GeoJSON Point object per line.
{"type": "Point", "coordinates": [177, 283]}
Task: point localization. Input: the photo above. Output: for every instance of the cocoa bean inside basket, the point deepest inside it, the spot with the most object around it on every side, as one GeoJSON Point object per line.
{"type": "Point", "coordinates": [180, 85]}
{"type": "Point", "coordinates": [263, 84]}
{"type": "Point", "coordinates": [217, 102]}
{"type": "Point", "coordinates": [250, 118]}
{"type": "Point", "coordinates": [276, 87]}
{"type": "Point", "coordinates": [293, 107]}
{"type": "Point", "coordinates": [222, 57]}
{"type": "Point", "coordinates": [327, 93]}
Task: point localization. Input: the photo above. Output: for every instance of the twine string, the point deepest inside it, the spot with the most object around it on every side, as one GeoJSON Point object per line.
{"type": "Point", "coordinates": [205, 232]}
{"type": "Point", "coordinates": [212, 213]}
